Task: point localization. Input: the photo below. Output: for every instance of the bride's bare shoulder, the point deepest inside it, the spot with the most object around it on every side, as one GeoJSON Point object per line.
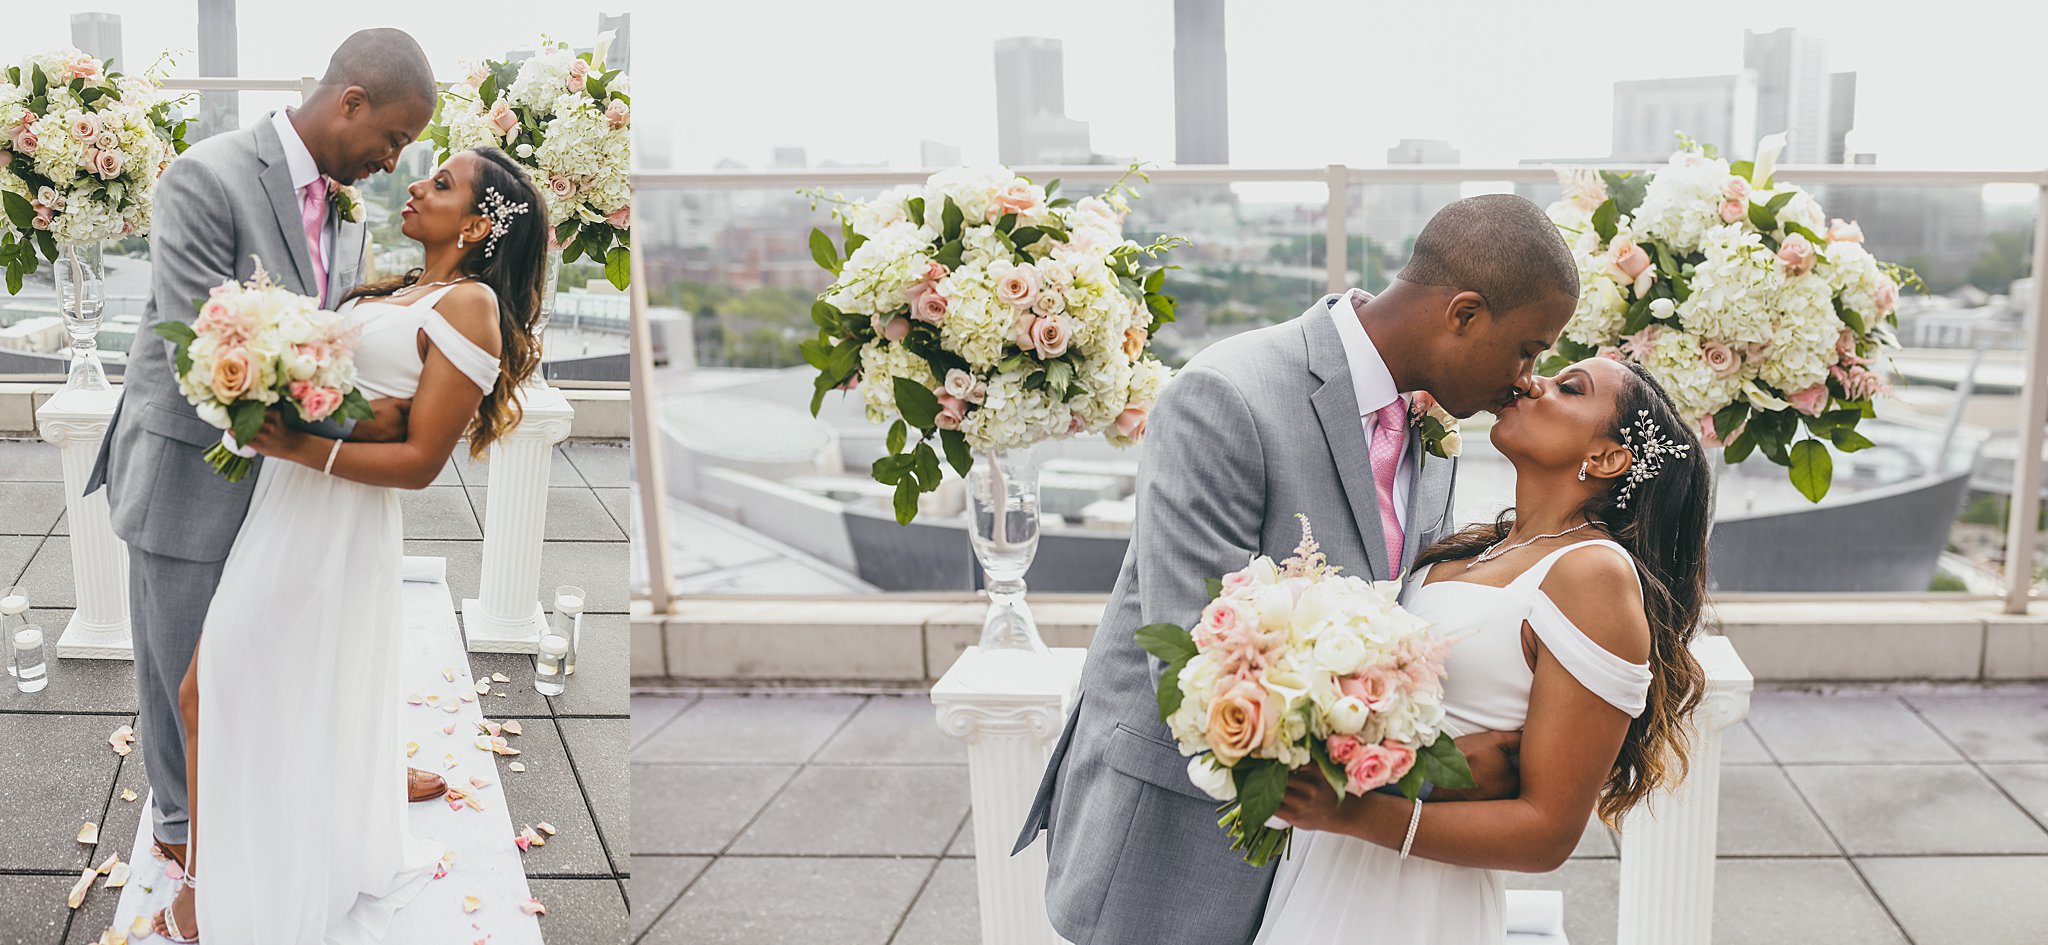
{"type": "Point", "coordinates": [473, 310]}
{"type": "Point", "coordinates": [1597, 591]}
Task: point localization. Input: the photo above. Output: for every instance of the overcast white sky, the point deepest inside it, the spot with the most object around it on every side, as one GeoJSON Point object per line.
{"type": "Point", "coordinates": [1958, 83]}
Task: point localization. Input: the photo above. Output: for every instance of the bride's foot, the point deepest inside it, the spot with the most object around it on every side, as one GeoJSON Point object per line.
{"type": "Point", "coordinates": [174, 852]}
{"type": "Point", "coordinates": [423, 785]}
{"type": "Point", "coordinates": [180, 922]}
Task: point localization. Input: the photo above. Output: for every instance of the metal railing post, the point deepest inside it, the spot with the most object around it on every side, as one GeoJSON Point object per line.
{"type": "Point", "coordinates": [647, 465]}
{"type": "Point", "coordinates": [2023, 527]}
{"type": "Point", "coordinates": [1337, 235]}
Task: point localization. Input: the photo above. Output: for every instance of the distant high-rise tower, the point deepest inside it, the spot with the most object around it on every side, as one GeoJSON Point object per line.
{"type": "Point", "coordinates": [618, 56]}
{"type": "Point", "coordinates": [1715, 109]}
{"type": "Point", "coordinates": [1792, 88]}
{"type": "Point", "coordinates": [1396, 213]}
{"type": "Point", "coordinates": [218, 58]}
{"type": "Point", "coordinates": [1032, 126]}
{"type": "Point", "coordinates": [100, 35]}
{"type": "Point", "coordinates": [1201, 84]}
{"type": "Point", "coordinates": [1841, 115]}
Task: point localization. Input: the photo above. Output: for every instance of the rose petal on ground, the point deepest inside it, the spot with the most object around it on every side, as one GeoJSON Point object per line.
{"type": "Point", "coordinates": [455, 804]}
{"type": "Point", "coordinates": [474, 804]}
{"type": "Point", "coordinates": [520, 841]}
{"type": "Point", "coordinates": [450, 760]}
{"type": "Point", "coordinates": [466, 697]}
{"type": "Point", "coordinates": [479, 783]}
{"type": "Point", "coordinates": [434, 699]}
{"type": "Point", "coordinates": [471, 904]}
{"type": "Point", "coordinates": [440, 871]}
{"type": "Point", "coordinates": [448, 729]}
{"type": "Point", "coordinates": [483, 687]}
{"type": "Point", "coordinates": [123, 740]}
{"type": "Point", "coordinates": [128, 794]}
{"type": "Point", "coordinates": [411, 749]}
{"type": "Point", "coordinates": [518, 766]}
{"type": "Point", "coordinates": [79, 889]}
{"type": "Point", "coordinates": [448, 674]}
{"type": "Point", "coordinates": [415, 699]}
{"type": "Point", "coordinates": [108, 865]}
{"type": "Point", "coordinates": [172, 871]}
{"type": "Point", "coordinates": [533, 907]}
{"type": "Point", "coordinates": [500, 677]}
{"type": "Point", "coordinates": [452, 708]}
{"type": "Point", "coordinates": [141, 928]}
{"type": "Point", "coordinates": [89, 834]}
{"type": "Point", "coordinates": [514, 728]}
{"type": "Point", "coordinates": [118, 876]}
{"type": "Point", "coordinates": [545, 827]}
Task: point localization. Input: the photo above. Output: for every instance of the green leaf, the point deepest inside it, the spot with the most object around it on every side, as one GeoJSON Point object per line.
{"type": "Point", "coordinates": [1730, 418]}
{"type": "Point", "coordinates": [925, 464]}
{"type": "Point", "coordinates": [1813, 470]}
{"type": "Point", "coordinates": [1167, 641]}
{"type": "Point", "coordinates": [919, 407]}
{"type": "Point", "coordinates": [1215, 588]}
{"type": "Point", "coordinates": [823, 252]}
{"type": "Point", "coordinates": [19, 211]}
{"type": "Point", "coordinates": [916, 207]}
{"type": "Point", "coordinates": [1444, 765]}
{"type": "Point", "coordinates": [1639, 317]}
{"type": "Point", "coordinates": [1665, 263]}
{"type": "Point", "coordinates": [950, 220]}
{"type": "Point", "coordinates": [897, 434]}
{"type": "Point", "coordinates": [1261, 786]}
{"type": "Point", "coordinates": [618, 267]}
{"type": "Point", "coordinates": [178, 333]}
{"type": "Point", "coordinates": [1738, 449]}
{"type": "Point", "coordinates": [825, 316]}
{"type": "Point", "coordinates": [949, 254]}
{"type": "Point", "coordinates": [957, 454]}
{"type": "Point", "coordinates": [1777, 203]}
{"type": "Point", "coordinates": [1024, 236]}
{"type": "Point", "coordinates": [1605, 219]}
{"type": "Point", "coordinates": [1848, 440]}
{"type": "Point", "coordinates": [1762, 218]}
{"type": "Point", "coordinates": [1742, 169]}
{"type": "Point", "coordinates": [1007, 223]}
{"type": "Point", "coordinates": [1332, 771]}
{"type": "Point", "coordinates": [487, 92]}
{"type": "Point", "coordinates": [246, 418]}
{"type": "Point", "coordinates": [1052, 187]}
{"type": "Point", "coordinates": [906, 501]}
{"type": "Point", "coordinates": [1411, 783]}
{"type": "Point", "coordinates": [1850, 318]}
{"type": "Point", "coordinates": [1794, 226]}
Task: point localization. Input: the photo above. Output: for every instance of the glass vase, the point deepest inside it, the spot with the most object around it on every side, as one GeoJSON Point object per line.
{"type": "Point", "coordinates": [1003, 504]}
{"type": "Point", "coordinates": [81, 277]}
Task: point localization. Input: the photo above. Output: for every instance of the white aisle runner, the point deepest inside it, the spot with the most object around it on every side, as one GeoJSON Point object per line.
{"type": "Point", "coordinates": [486, 862]}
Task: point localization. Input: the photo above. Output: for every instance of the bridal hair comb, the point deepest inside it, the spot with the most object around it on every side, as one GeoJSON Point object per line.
{"type": "Point", "coordinates": [1650, 448]}
{"type": "Point", "coordinates": [500, 212]}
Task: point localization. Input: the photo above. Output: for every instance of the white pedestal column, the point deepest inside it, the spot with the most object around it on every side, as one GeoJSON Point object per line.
{"type": "Point", "coordinates": [76, 421]}
{"type": "Point", "coordinates": [1667, 843]}
{"type": "Point", "coordinates": [506, 615]}
{"type": "Point", "coordinates": [1009, 707]}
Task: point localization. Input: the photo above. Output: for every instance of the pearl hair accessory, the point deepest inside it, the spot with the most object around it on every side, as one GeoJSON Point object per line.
{"type": "Point", "coordinates": [1647, 443]}
{"type": "Point", "coordinates": [500, 211]}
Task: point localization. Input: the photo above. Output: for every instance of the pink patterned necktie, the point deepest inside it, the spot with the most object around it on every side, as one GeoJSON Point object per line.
{"type": "Point", "coordinates": [313, 212]}
{"type": "Point", "coordinates": [1389, 435]}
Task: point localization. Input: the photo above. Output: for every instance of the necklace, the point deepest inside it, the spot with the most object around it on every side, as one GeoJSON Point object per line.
{"type": "Point", "coordinates": [1491, 553]}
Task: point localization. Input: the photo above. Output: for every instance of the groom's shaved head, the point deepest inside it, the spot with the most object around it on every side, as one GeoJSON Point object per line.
{"type": "Point", "coordinates": [1501, 246]}
{"type": "Point", "coordinates": [387, 64]}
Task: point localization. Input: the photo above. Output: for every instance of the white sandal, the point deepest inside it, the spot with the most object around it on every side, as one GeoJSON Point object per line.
{"type": "Point", "coordinates": [168, 920]}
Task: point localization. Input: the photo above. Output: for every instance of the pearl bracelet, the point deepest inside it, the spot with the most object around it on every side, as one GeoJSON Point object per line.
{"type": "Point", "coordinates": [1414, 820]}
{"type": "Point", "coordinates": [332, 452]}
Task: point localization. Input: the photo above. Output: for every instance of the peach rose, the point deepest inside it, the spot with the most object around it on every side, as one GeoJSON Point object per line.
{"type": "Point", "coordinates": [1798, 255]}
{"type": "Point", "coordinates": [83, 66]}
{"type": "Point", "coordinates": [1134, 342]}
{"type": "Point", "coordinates": [1887, 296]}
{"type": "Point", "coordinates": [617, 113]}
{"type": "Point", "coordinates": [579, 72]}
{"type": "Point", "coordinates": [1049, 304]}
{"type": "Point", "coordinates": [1238, 719]}
{"type": "Point", "coordinates": [1733, 210]}
{"type": "Point", "coordinates": [1810, 401]}
{"type": "Point", "coordinates": [562, 187]}
{"type": "Point", "coordinates": [1629, 264]}
{"type": "Point", "coordinates": [6, 157]}
{"type": "Point", "coordinates": [476, 77]}
{"type": "Point", "coordinates": [85, 127]}
{"type": "Point", "coordinates": [1019, 286]}
{"type": "Point", "coordinates": [1020, 329]}
{"type": "Point", "coordinates": [1049, 336]}
{"type": "Point", "coordinates": [44, 216]}
{"type": "Point", "coordinates": [1369, 687]}
{"type": "Point", "coordinates": [1370, 768]}
{"type": "Point", "coordinates": [1840, 232]}
{"type": "Point", "coordinates": [108, 163]}
{"type": "Point", "coordinates": [1735, 189]}
{"type": "Point", "coordinates": [504, 120]}
{"type": "Point", "coordinates": [107, 139]}
{"type": "Point", "coordinates": [231, 375]}
{"type": "Point", "coordinates": [1016, 198]}
{"type": "Point", "coordinates": [930, 306]}
{"type": "Point", "coordinates": [965, 386]}
{"type": "Point", "coordinates": [936, 270]}
{"type": "Point", "coordinates": [621, 218]}
{"type": "Point", "coordinates": [1720, 359]}
{"type": "Point", "coordinates": [26, 141]}
{"type": "Point", "coordinates": [952, 410]}
{"type": "Point", "coordinates": [1131, 422]}
{"type": "Point", "coordinates": [893, 329]}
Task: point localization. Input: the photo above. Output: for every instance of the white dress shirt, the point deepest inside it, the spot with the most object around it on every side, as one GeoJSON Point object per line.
{"type": "Point", "coordinates": [304, 172]}
{"type": "Point", "coordinates": [1373, 384]}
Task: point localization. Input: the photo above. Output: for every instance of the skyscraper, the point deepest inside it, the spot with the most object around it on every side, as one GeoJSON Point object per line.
{"type": "Point", "coordinates": [218, 58]}
{"type": "Point", "coordinates": [1032, 126]}
{"type": "Point", "coordinates": [100, 35]}
{"type": "Point", "coordinates": [1201, 84]}
{"type": "Point", "coordinates": [1395, 213]}
{"type": "Point", "coordinates": [1792, 90]}
{"type": "Point", "coordinates": [1841, 115]}
{"type": "Point", "coordinates": [619, 55]}
{"type": "Point", "coordinates": [1713, 109]}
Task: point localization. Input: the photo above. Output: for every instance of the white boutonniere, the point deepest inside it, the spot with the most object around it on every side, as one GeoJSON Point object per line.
{"type": "Point", "coordinates": [347, 203]}
{"type": "Point", "coordinates": [1438, 428]}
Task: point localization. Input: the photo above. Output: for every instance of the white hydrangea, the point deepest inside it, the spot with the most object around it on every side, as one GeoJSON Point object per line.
{"type": "Point", "coordinates": [880, 364]}
{"type": "Point", "coordinates": [872, 280]}
{"type": "Point", "coordinates": [542, 78]}
{"type": "Point", "coordinates": [978, 326]}
{"type": "Point", "coordinates": [1012, 417]}
{"type": "Point", "coordinates": [1803, 342]}
{"type": "Point", "coordinates": [972, 189]}
{"type": "Point", "coordinates": [1854, 273]}
{"type": "Point", "coordinates": [1682, 202]}
{"type": "Point", "coordinates": [1675, 360]}
{"type": "Point", "coordinates": [1734, 289]}
{"type": "Point", "coordinates": [596, 158]}
{"type": "Point", "coordinates": [1602, 308]}
{"type": "Point", "coordinates": [868, 217]}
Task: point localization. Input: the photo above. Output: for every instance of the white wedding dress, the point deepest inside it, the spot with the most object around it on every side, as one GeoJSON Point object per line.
{"type": "Point", "coordinates": [302, 830]}
{"type": "Point", "coordinates": [1334, 888]}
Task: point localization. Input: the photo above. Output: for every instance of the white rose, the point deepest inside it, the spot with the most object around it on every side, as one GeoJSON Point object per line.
{"type": "Point", "coordinates": [1213, 781]}
{"type": "Point", "coordinates": [213, 413]}
{"type": "Point", "coordinates": [1348, 715]}
{"type": "Point", "coordinates": [1340, 652]}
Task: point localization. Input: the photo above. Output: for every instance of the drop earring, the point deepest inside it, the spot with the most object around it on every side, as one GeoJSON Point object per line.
{"type": "Point", "coordinates": [1582, 470]}
{"type": "Point", "coordinates": [458, 245]}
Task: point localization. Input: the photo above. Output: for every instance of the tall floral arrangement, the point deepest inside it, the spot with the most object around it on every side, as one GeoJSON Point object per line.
{"type": "Point", "coordinates": [1764, 320]}
{"type": "Point", "coordinates": [988, 313]}
{"type": "Point", "coordinates": [81, 148]}
{"type": "Point", "coordinates": [567, 118]}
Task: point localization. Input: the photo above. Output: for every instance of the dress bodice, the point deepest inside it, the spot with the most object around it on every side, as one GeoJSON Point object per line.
{"type": "Point", "coordinates": [1486, 679]}
{"type": "Point", "coordinates": [388, 361]}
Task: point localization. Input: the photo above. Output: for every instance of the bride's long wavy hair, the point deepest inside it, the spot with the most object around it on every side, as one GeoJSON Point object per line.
{"type": "Point", "coordinates": [516, 270]}
{"type": "Point", "coordinates": [1664, 528]}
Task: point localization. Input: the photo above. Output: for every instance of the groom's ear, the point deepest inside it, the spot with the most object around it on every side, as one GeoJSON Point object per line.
{"type": "Point", "coordinates": [353, 102]}
{"type": "Point", "coordinates": [1462, 310]}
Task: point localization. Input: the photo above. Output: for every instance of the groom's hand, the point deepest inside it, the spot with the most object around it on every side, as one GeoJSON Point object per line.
{"type": "Point", "coordinates": [387, 425]}
{"type": "Point", "coordinates": [1493, 758]}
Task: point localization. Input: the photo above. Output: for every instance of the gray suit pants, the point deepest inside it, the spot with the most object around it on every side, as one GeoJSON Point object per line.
{"type": "Point", "coordinates": [167, 602]}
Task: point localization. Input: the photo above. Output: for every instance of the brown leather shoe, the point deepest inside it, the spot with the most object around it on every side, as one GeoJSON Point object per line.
{"type": "Point", "coordinates": [424, 785]}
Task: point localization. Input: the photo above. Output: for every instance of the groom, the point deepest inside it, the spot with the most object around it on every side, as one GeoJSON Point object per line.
{"type": "Point", "coordinates": [1303, 417]}
{"type": "Point", "coordinates": [263, 192]}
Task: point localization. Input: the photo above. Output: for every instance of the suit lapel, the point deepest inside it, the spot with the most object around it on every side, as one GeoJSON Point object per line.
{"type": "Point", "coordinates": [348, 259]}
{"type": "Point", "coordinates": [1428, 496]}
{"type": "Point", "coordinates": [1336, 406]}
{"type": "Point", "coordinates": [284, 205]}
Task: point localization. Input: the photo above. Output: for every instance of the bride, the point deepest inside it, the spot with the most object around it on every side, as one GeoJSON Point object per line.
{"type": "Point", "coordinates": [292, 700]}
{"type": "Point", "coordinates": [1580, 603]}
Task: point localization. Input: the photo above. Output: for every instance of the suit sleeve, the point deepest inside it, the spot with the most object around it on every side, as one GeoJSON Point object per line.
{"type": "Point", "coordinates": [193, 248]}
{"type": "Point", "coordinates": [1201, 497]}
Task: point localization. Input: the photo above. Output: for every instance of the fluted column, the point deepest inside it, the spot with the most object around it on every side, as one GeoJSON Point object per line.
{"type": "Point", "coordinates": [1009, 707]}
{"type": "Point", "coordinates": [76, 421]}
{"type": "Point", "coordinates": [506, 616]}
{"type": "Point", "coordinates": [1667, 843]}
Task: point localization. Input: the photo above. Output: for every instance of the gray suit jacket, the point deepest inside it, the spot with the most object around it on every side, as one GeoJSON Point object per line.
{"type": "Point", "coordinates": [221, 206]}
{"type": "Point", "coordinates": [1257, 428]}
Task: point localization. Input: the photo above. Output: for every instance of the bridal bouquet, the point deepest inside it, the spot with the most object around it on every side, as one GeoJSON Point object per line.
{"type": "Point", "coordinates": [565, 117]}
{"type": "Point", "coordinates": [253, 346]}
{"type": "Point", "coordinates": [1756, 313]}
{"type": "Point", "coordinates": [990, 311]}
{"type": "Point", "coordinates": [81, 148]}
{"type": "Point", "coordinates": [1293, 665]}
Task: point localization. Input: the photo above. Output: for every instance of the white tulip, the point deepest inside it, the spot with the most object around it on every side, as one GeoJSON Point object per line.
{"type": "Point", "coordinates": [1213, 781]}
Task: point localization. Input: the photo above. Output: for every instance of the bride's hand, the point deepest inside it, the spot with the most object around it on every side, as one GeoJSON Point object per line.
{"type": "Point", "coordinates": [1311, 803]}
{"type": "Point", "coordinates": [276, 438]}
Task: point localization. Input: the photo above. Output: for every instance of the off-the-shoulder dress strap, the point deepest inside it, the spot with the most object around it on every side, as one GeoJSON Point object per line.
{"type": "Point", "coordinates": [1623, 684]}
{"type": "Point", "coordinates": [475, 363]}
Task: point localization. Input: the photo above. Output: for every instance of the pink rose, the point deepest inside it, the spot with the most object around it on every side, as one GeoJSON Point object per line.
{"type": "Point", "coordinates": [621, 218]}
{"type": "Point", "coordinates": [579, 68]}
{"type": "Point", "coordinates": [1369, 769]}
{"type": "Point", "coordinates": [850, 383]}
{"type": "Point", "coordinates": [1735, 189]}
{"type": "Point", "coordinates": [952, 410]}
{"type": "Point", "coordinates": [894, 329]}
{"type": "Point", "coordinates": [1131, 422]}
{"type": "Point", "coordinates": [107, 139]}
{"type": "Point", "coordinates": [1222, 622]}
{"type": "Point", "coordinates": [1845, 346]}
{"type": "Point", "coordinates": [44, 216]}
{"type": "Point", "coordinates": [1019, 286]}
{"type": "Point", "coordinates": [1887, 296]}
{"type": "Point", "coordinates": [1134, 342]}
{"type": "Point", "coordinates": [1076, 423]}
{"type": "Point", "coordinates": [86, 127]}
{"type": "Point", "coordinates": [1049, 336]}
{"type": "Point", "coordinates": [616, 113]}
{"type": "Point", "coordinates": [6, 157]}
{"type": "Point", "coordinates": [965, 386]}
{"type": "Point", "coordinates": [1711, 438]}
{"type": "Point", "coordinates": [1239, 578]}
{"type": "Point", "coordinates": [1238, 720]}
{"type": "Point", "coordinates": [1016, 198]}
{"type": "Point", "coordinates": [930, 306]}
{"type": "Point", "coordinates": [1733, 210]}
{"type": "Point", "coordinates": [1400, 756]}
{"type": "Point", "coordinates": [83, 66]}
{"type": "Point", "coordinates": [562, 187]}
{"type": "Point", "coordinates": [26, 141]}
{"type": "Point", "coordinates": [108, 163]}
{"type": "Point", "coordinates": [1049, 304]}
{"type": "Point", "coordinates": [476, 77]}
{"type": "Point", "coordinates": [319, 403]}
{"type": "Point", "coordinates": [1020, 329]}
{"type": "Point", "coordinates": [504, 120]}
{"type": "Point", "coordinates": [1810, 401]}
{"type": "Point", "coordinates": [1629, 264]}
{"type": "Point", "coordinates": [1369, 686]}
{"type": "Point", "coordinates": [1798, 255]}
{"type": "Point", "coordinates": [1721, 359]}
{"type": "Point", "coordinates": [1343, 748]}
{"type": "Point", "coordinates": [1840, 232]}
{"type": "Point", "coordinates": [935, 271]}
